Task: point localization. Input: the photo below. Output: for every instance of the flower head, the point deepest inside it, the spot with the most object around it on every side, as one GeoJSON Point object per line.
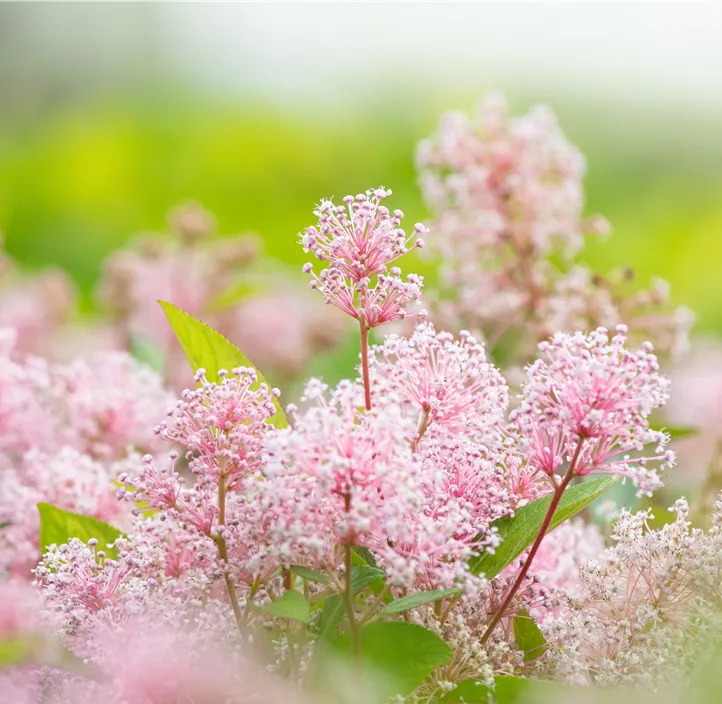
{"type": "Point", "coordinates": [588, 402]}
{"type": "Point", "coordinates": [222, 425]}
{"type": "Point", "coordinates": [445, 383]}
{"type": "Point", "coordinates": [359, 240]}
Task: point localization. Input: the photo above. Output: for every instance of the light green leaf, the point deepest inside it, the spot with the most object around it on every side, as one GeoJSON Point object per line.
{"type": "Point", "coordinates": [291, 605]}
{"type": "Point", "coordinates": [311, 575]}
{"type": "Point", "coordinates": [529, 638]}
{"type": "Point", "coordinates": [57, 526]}
{"type": "Point", "coordinates": [206, 348]}
{"type": "Point", "coordinates": [418, 599]}
{"type": "Point", "coordinates": [518, 533]}
{"type": "Point", "coordinates": [36, 648]}
{"type": "Point", "coordinates": [396, 656]}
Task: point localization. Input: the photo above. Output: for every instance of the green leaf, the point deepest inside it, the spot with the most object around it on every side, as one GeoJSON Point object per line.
{"type": "Point", "coordinates": [513, 690]}
{"type": "Point", "coordinates": [5, 524]}
{"type": "Point", "coordinates": [367, 557]}
{"type": "Point", "coordinates": [311, 575]}
{"type": "Point", "coordinates": [362, 576]}
{"type": "Point", "coordinates": [334, 609]}
{"type": "Point", "coordinates": [518, 533]}
{"type": "Point", "coordinates": [291, 605]}
{"type": "Point", "coordinates": [57, 526]}
{"type": "Point", "coordinates": [528, 637]}
{"type": "Point", "coordinates": [206, 348]}
{"type": "Point", "coordinates": [396, 656]}
{"type": "Point", "coordinates": [413, 600]}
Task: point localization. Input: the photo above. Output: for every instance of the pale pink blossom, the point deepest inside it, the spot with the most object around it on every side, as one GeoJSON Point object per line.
{"type": "Point", "coordinates": [359, 240]}
{"type": "Point", "coordinates": [443, 383]}
{"type": "Point", "coordinates": [587, 401]}
{"type": "Point", "coordinates": [222, 425]}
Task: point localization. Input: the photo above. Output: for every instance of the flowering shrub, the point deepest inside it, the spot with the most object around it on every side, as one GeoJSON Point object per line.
{"type": "Point", "coordinates": [420, 532]}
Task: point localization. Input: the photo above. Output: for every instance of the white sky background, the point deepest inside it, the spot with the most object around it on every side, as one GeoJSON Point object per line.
{"type": "Point", "coordinates": [332, 55]}
{"type": "Point", "coordinates": [299, 52]}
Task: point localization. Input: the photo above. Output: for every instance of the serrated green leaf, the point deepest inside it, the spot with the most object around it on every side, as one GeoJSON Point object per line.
{"type": "Point", "coordinates": [57, 526]}
{"type": "Point", "coordinates": [418, 599]}
{"type": "Point", "coordinates": [291, 605]}
{"type": "Point", "coordinates": [311, 575]}
{"type": "Point", "coordinates": [397, 656]}
{"type": "Point", "coordinates": [518, 533]}
{"type": "Point", "coordinates": [529, 638]}
{"type": "Point", "coordinates": [205, 348]}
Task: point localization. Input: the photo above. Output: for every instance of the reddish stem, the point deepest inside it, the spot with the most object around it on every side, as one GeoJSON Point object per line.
{"type": "Point", "coordinates": [365, 360]}
{"type": "Point", "coordinates": [556, 498]}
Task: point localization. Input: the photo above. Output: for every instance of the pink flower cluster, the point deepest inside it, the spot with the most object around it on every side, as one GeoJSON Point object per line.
{"type": "Point", "coordinates": [398, 477]}
{"type": "Point", "coordinates": [359, 240]}
{"type": "Point", "coordinates": [507, 196]}
{"type": "Point", "coordinates": [443, 383]}
{"type": "Point", "coordinates": [68, 432]}
{"type": "Point", "coordinates": [588, 404]}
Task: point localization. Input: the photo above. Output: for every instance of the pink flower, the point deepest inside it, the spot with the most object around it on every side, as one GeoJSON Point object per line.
{"type": "Point", "coordinates": [445, 383]}
{"type": "Point", "coordinates": [222, 425]}
{"type": "Point", "coordinates": [66, 479]}
{"type": "Point", "coordinates": [110, 404]}
{"type": "Point", "coordinates": [359, 241]}
{"type": "Point", "coordinates": [345, 478]}
{"type": "Point", "coordinates": [588, 403]}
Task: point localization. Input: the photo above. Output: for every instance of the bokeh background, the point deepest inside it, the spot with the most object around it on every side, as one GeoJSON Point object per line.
{"type": "Point", "coordinates": [113, 113]}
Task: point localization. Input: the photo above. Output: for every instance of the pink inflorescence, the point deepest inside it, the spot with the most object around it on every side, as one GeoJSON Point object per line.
{"type": "Point", "coordinates": [589, 403]}
{"type": "Point", "coordinates": [343, 478]}
{"type": "Point", "coordinates": [222, 425]}
{"type": "Point", "coordinates": [507, 196]}
{"type": "Point", "coordinates": [445, 383]}
{"type": "Point", "coordinates": [359, 240]}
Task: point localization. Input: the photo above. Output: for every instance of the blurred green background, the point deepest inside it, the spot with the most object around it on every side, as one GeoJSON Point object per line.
{"type": "Point", "coordinates": [111, 114]}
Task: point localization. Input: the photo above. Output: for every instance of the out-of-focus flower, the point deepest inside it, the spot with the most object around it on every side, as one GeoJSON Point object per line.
{"type": "Point", "coordinates": [110, 404]}
{"type": "Point", "coordinates": [696, 403]}
{"type": "Point", "coordinates": [36, 307]}
{"type": "Point", "coordinates": [507, 196]}
{"type": "Point", "coordinates": [282, 329]}
{"type": "Point", "coordinates": [359, 240]}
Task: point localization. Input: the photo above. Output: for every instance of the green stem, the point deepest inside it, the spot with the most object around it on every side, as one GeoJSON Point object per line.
{"type": "Point", "coordinates": [350, 611]}
{"type": "Point", "coordinates": [222, 546]}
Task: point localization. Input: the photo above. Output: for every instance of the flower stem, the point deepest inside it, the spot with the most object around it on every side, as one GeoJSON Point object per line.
{"type": "Point", "coordinates": [544, 528]}
{"type": "Point", "coordinates": [365, 359]}
{"type": "Point", "coordinates": [350, 612]}
{"type": "Point", "coordinates": [220, 542]}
